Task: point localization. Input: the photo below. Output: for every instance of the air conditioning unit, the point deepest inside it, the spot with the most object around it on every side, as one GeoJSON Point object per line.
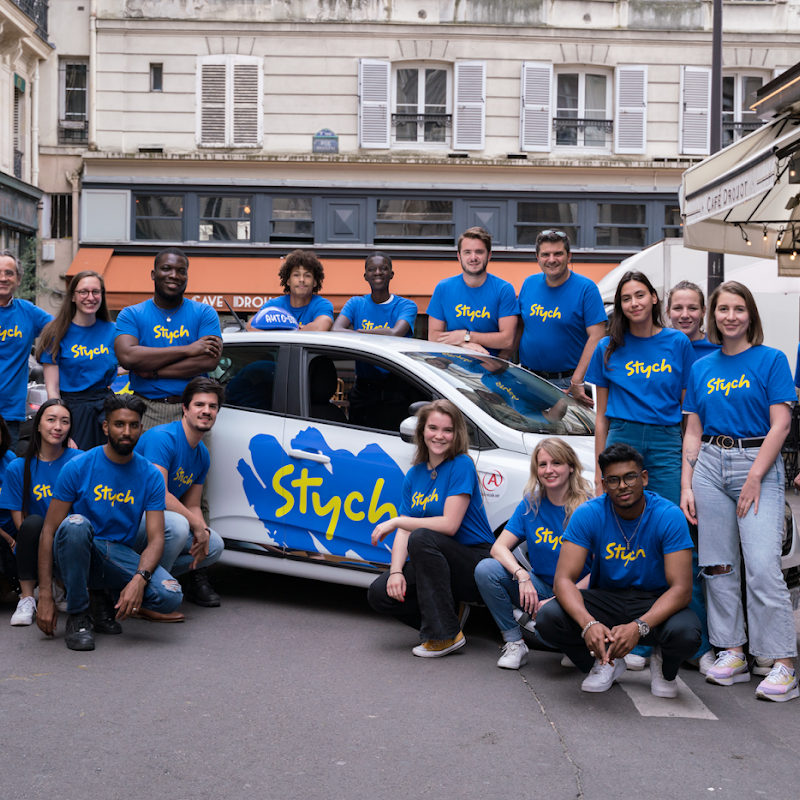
{"type": "Point", "coordinates": [48, 252]}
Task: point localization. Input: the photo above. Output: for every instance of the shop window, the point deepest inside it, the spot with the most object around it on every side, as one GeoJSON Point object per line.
{"type": "Point", "coordinates": [621, 225]}
{"type": "Point", "coordinates": [292, 220]}
{"type": "Point", "coordinates": [414, 222]}
{"type": "Point", "coordinates": [225, 219]}
{"type": "Point", "coordinates": [532, 218]}
{"type": "Point", "coordinates": [158, 217]}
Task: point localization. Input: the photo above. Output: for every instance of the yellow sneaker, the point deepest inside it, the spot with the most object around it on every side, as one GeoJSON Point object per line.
{"type": "Point", "coordinates": [435, 648]}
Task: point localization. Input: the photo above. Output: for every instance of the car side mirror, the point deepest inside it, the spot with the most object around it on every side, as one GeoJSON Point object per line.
{"type": "Point", "coordinates": [408, 427]}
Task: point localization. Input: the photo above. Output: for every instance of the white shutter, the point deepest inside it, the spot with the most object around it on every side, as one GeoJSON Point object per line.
{"type": "Point", "coordinates": [373, 103]}
{"type": "Point", "coordinates": [211, 102]}
{"type": "Point", "coordinates": [247, 95]}
{"type": "Point", "coordinates": [535, 116]}
{"type": "Point", "coordinates": [469, 119]}
{"type": "Point", "coordinates": [695, 111]}
{"type": "Point", "coordinates": [630, 119]}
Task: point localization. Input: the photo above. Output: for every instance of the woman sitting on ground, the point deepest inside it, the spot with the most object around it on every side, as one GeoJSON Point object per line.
{"type": "Point", "coordinates": [441, 535]}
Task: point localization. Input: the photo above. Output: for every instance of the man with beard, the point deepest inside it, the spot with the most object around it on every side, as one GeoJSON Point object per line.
{"type": "Point", "coordinates": [167, 340]}
{"type": "Point", "coordinates": [89, 538]}
{"type": "Point", "coordinates": [641, 581]}
{"type": "Point", "coordinates": [475, 309]}
{"type": "Point", "coordinates": [177, 451]}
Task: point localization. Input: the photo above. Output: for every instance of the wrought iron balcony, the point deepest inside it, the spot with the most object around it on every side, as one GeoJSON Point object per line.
{"type": "Point", "coordinates": [73, 131]}
{"type": "Point", "coordinates": [18, 156]}
{"type": "Point", "coordinates": [564, 123]}
{"type": "Point", "coordinates": [402, 119]}
{"type": "Point", "coordinates": [37, 11]}
{"type": "Point", "coordinates": [741, 127]}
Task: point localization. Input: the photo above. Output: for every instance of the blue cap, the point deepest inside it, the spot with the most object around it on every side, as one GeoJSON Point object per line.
{"type": "Point", "coordinates": [272, 318]}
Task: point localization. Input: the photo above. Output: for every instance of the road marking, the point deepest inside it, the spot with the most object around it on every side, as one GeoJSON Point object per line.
{"type": "Point", "coordinates": [687, 704]}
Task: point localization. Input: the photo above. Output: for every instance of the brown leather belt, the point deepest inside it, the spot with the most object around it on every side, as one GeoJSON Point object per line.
{"type": "Point", "coordinates": [173, 398]}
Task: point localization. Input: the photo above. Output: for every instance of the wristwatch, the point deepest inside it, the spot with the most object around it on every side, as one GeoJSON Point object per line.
{"type": "Point", "coordinates": [644, 628]}
{"type": "Point", "coordinates": [145, 574]}
{"type": "Point", "coordinates": [467, 336]}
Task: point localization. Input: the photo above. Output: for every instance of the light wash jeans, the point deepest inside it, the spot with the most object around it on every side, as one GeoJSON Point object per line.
{"type": "Point", "coordinates": [717, 483]}
{"type": "Point", "coordinates": [178, 540]}
{"type": "Point", "coordinates": [500, 592]}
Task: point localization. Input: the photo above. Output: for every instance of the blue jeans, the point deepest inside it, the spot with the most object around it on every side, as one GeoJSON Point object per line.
{"type": "Point", "coordinates": [82, 562]}
{"type": "Point", "coordinates": [13, 430]}
{"type": "Point", "coordinates": [500, 592]}
{"type": "Point", "coordinates": [178, 540]}
{"type": "Point", "coordinates": [717, 483]}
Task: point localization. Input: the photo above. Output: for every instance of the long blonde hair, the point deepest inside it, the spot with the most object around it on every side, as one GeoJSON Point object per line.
{"type": "Point", "coordinates": [578, 488]}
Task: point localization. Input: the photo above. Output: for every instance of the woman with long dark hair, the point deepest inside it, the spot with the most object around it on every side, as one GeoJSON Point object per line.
{"type": "Point", "coordinates": [440, 536]}
{"type": "Point", "coordinates": [76, 350]}
{"type": "Point", "coordinates": [27, 491]}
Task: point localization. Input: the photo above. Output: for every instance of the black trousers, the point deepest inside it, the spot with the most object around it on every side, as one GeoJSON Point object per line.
{"type": "Point", "coordinates": [28, 547]}
{"type": "Point", "coordinates": [87, 417]}
{"type": "Point", "coordinates": [678, 637]}
{"type": "Point", "coordinates": [440, 573]}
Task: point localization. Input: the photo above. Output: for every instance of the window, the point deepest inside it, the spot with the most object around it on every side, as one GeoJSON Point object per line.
{"type": "Point", "coordinates": [673, 223]}
{"type": "Point", "coordinates": [60, 216]}
{"type": "Point", "coordinates": [532, 218]}
{"type": "Point", "coordinates": [158, 217]}
{"type": "Point", "coordinates": [422, 97]}
{"type": "Point", "coordinates": [248, 374]}
{"type": "Point", "coordinates": [737, 95]}
{"type": "Point", "coordinates": [230, 101]}
{"type": "Point", "coordinates": [292, 220]}
{"type": "Point", "coordinates": [156, 77]}
{"type": "Point", "coordinates": [225, 219]}
{"type": "Point", "coordinates": [621, 225]}
{"type": "Point", "coordinates": [73, 123]}
{"type": "Point", "coordinates": [17, 134]}
{"type": "Point", "coordinates": [414, 222]}
{"type": "Point", "coordinates": [583, 115]}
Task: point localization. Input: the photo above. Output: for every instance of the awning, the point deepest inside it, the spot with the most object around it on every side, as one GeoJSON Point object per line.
{"type": "Point", "coordinates": [247, 282]}
{"type": "Point", "coordinates": [736, 200]}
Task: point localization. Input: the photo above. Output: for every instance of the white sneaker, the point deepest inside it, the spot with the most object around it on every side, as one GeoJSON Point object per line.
{"type": "Point", "coordinates": [707, 660]}
{"type": "Point", "coordinates": [59, 596]}
{"type": "Point", "coordinates": [603, 675]}
{"type": "Point", "coordinates": [635, 663]}
{"type": "Point", "coordinates": [525, 620]}
{"type": "Point", "coordinates": [763, 666]}
{"type": "Point", "coordinates": [515, 654]}
{"type": "Point", "coordinates": [25, 613]}
{"type": "Point", "coordinates": [566, 661]}
{"type": "Point", "coordinates": [659, 685]}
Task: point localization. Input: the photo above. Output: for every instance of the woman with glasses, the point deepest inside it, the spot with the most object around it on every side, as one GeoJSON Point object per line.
{"type": "Point", "coordinates": [77, 352]}
{"type": "Point", "coordinates": [732, 488]}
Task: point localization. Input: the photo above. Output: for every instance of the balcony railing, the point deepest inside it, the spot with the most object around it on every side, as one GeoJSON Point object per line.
{"type": "Point", "coordinates": [73, 131]}
{"type": "Point", "coordinates": [18, 156]}
{"type": "Point", "coordinates": [741, 127]}
{"type": "Point", "coordinates": [564, 123]}
{"type": "Point", "coordinates": [443, 119]}
{"type": "Point", "coordinates": [37, 11]}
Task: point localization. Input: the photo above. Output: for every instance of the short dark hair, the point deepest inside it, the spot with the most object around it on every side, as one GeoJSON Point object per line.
{"type": "Point", "coordinates": [171, 251]}
{"type": "Point", "coordinates": [378, 254]}
{"type": "Point", "coordinates": [114, 402]}
{"type": "Point", "coordinates": [301, 258]}
{"type": "Point", "coordinates": [5, 437]}
{"type": "Point", "coordinates": [202, 385]}
{"type": "Point", "coordinates": [476, 233]}
{"type": "Point", "coordinates": [618, 453]}
{"type": "Point", "coordinates": [553, 236]}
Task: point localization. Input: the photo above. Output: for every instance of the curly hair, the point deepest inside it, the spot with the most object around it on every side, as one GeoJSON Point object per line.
{"type": "Point", "coordinates": [301, 258]}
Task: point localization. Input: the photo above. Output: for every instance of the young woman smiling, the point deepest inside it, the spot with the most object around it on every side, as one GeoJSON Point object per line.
{"type": "Point", "coordinates": [440, 536]}
{"type": "Point", "coordinates": [686, 308]}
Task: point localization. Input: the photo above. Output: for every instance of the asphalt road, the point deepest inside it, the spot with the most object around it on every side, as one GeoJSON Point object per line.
{"type": "Point", "coordinates": [296, 689]}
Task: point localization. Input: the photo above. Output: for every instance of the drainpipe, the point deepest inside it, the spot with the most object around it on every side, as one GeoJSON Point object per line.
{"type": "Point", "coordinates": [92, 82]}
{"type": "Point", "coordinates": [35, 126]}
{"type": "Point", "coordinates": [75, 179]}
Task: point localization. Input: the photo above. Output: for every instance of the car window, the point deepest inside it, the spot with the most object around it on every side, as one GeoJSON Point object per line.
{"type": "Point", "coordinates": [513, 396]}
{"type": "Point", "coordinates": [248, 374]}
{"type": "Point", "coordinates": [360, 392]}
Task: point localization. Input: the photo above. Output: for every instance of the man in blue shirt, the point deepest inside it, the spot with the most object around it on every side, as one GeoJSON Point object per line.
{"type": "Point", "coordinates": [475, 309]}
{"type": "Point", "coordinates": [89, 538]}
{"type": "Point", "coordinates": [562, 318]}
{"type": "Point", "coordinates": [641, 581]}
{"type": "Point", "coordinates": [20, 323]}
{"type": "Point", "coordinates": [167, 340]}
{"type": "Point", "coordinates": [178, 452]}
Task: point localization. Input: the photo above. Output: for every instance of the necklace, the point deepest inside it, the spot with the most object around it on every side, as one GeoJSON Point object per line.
{"type": "Point", "coordinates": [167, 314]}
{"type": "Point", "coordinates": [433, 472]}
{"type": "Point", "coordinates": [627, 540]}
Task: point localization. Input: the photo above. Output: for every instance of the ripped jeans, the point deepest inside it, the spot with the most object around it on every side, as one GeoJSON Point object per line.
{"type": "Point", "coordinates": [83, 562]}
{"type": "Point", "coordinates": [717, 483]}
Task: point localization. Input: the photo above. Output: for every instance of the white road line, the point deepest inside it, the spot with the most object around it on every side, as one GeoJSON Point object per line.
{"type": "Point", "coordinates": [687, 704]}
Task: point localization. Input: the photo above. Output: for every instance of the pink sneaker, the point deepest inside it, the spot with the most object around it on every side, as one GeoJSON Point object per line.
{"type": "Point", "coordinates": [780, 685]}
{"type": "Point", "coordinates": [729, 668]}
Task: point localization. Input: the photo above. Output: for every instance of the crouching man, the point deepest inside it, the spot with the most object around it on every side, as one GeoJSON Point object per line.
{"type": "Point", "coordinates": [90, 532]}
{"type": "Point", "coordinates": [641, 581]}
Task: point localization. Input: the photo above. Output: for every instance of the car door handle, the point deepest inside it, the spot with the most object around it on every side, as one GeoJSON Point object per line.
{"type": "Point", "coordinates": [305, 454]}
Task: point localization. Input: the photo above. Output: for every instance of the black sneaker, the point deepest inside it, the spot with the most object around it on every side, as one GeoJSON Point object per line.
{"type": "Point", "coordinates": [103, 613]}
{"type": "Point", "coordinates": [197, 588]}
{"type": "Point", "coordinates": [79, 631]}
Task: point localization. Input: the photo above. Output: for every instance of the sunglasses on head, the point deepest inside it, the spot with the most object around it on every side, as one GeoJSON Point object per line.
{"type": "Point", "coordinates": [560, 234]}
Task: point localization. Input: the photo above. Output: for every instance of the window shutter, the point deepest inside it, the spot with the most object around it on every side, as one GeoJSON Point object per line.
{"type": "Point", "coordinates": [469, 119]}
{"type": "Point", "coordinates": [247, 94]}
{"type": "Point", "coordinates": [212, 92]}
{"type": "Point", "coordinates": [630, 120]}
{"type": "Point", "coordinates": [373, 103]}
{"type": "Point", "coordinates": [535, 116]}
{"type": "Point", "coordinates": [695, 111]}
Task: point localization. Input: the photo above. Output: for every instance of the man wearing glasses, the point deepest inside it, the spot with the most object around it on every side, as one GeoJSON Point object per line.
{"type": "Point", "coordinates": [641, 581]}
{"type": "Point", "coordinates": [563, 318]}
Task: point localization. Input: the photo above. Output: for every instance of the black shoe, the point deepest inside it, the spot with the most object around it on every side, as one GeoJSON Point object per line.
{"type": "Point", "coordinates": [197, 588]}
{"type": "Point", "coordinates": [79, 631]}
{"type": "Point", "coordinates": [103, 613]}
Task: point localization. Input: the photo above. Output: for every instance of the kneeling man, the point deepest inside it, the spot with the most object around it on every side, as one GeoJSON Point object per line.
{"type": "Point", "coordinates": [89, 535]}
{"type": "Point", "coordinates": [640, 586]}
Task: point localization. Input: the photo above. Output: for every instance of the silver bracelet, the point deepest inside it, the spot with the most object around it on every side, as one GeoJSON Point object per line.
{"type": "Point", "coordinates": [589, 625]}
{"type": "Point", "coordinates": [527, 580]}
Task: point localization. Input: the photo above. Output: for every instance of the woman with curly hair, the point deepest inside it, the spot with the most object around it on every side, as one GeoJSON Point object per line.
{"type": "Point", "coordinates": [301, 276]}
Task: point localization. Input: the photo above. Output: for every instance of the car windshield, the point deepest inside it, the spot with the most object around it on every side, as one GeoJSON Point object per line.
{"type": "Point", "coordinates": [511, 395]}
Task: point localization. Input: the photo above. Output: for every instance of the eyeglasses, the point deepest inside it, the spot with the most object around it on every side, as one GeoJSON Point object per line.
{"type": "Point", "coordinates": [560, 234]}
{"type": "Point", "coordinates": [630, 479]}
{"type": "Point", "coordinates": [86, 292]}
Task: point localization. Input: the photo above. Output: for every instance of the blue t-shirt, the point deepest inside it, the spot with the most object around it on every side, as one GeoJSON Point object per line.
{"type": "Point", "coordinates": [732, 394]}
{"type": "Point", "coordinates": [543, 530]}
{"type": "Point", "coordinates": [555, 321]}
{"type": "Point", "coordinates": [44, 476]}
{"type": "Point", "coordinates": [148, 323]}
{"type": "Point", "coordinates": [423, 497]}
{"type": "Point", "coordinates": [6, 523]}
{"type": "Point", "coordinates": [702, 348]}
{"type": "Point", "coordinates": [461, 307]}
{"type": "Point", "coordinates": [662, 529]}
{"type": "Point", "coordinates": [645, 377]}
{"type": "Point", "coordinates": [85, 358]}
{"type": "Point", "coordinates": [797, 368]}
{"type": "Point", "coordinates": [111, 496]}
{"type": "Point", "coordinates": [20, 323]}
{"type": "Point", "coordinates": [167, 447]}
{"type": "Point", "coordinates": [316, 307]}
